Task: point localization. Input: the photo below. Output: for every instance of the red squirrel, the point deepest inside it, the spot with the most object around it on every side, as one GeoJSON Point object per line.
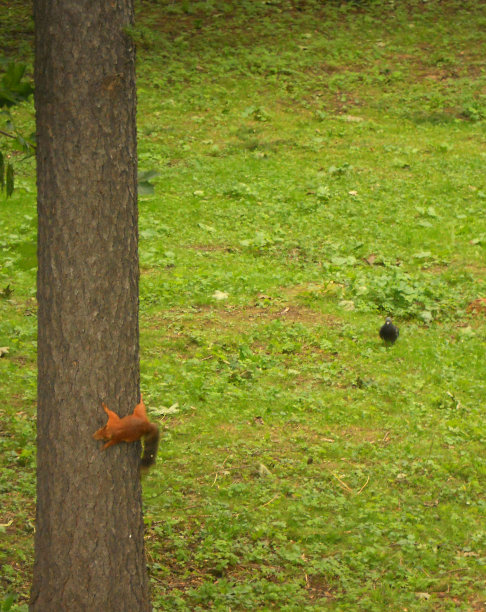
{"type": "Point", "coordinates": [129, 429]}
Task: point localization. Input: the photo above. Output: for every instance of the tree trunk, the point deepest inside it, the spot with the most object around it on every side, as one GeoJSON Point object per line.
{"type": "Point", "coordinates": [89, 552]}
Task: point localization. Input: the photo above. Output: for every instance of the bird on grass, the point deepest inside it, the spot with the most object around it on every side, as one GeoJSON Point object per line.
{"type": "Point", "coordinates": [389, 332]}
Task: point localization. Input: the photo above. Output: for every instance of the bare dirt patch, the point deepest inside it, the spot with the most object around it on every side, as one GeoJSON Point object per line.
{"type": "Point", "coordinates": [240, 317]}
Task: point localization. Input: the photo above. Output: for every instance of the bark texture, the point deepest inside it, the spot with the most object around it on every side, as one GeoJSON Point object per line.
{"type": "Point", "coordinates": [89, 534]}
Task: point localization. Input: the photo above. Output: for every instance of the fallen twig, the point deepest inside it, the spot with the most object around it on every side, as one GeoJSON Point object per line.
{"type": "Point", "coordinates": [367, 481]}
{"type": "Point", "coordinates": [270, 501]}
{"type": "Point", "coordinates": [342, 483]}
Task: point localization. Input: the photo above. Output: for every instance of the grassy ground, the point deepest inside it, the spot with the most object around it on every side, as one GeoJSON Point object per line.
{"type": "Point", "coordinates": [321, 165]}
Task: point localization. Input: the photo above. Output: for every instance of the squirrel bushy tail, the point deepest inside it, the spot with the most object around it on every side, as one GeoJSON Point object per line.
{"type": "Point", "coordinates": [150, 446]}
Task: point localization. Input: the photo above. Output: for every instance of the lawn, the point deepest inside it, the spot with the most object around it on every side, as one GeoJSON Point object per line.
{"type": "Point", "coordinates": [320, 166]}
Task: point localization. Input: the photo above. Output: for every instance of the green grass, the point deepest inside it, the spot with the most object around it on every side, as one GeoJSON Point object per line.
{"type": "Point", "coordinates": [321, 165]}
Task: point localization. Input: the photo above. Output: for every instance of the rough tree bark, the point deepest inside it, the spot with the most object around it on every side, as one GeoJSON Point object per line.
{"type": "Point", "coordinates": [89, 533]}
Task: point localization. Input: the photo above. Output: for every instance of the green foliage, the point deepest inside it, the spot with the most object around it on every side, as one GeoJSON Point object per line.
{"type": "Point", "coordinates": [9, 180]}
{"type": "Point", "coordinates": [403, 294]}
{"type": "Point", "coordinates": [13, 88]}
{"type": "Point", "coordinates": [8, 604]}
{"type": "Point", "coordinates": [145, 184]}
{"type": "Point", "coordinates": [319, 167]}
{"type": "Point", "coordinates": [2, 171]}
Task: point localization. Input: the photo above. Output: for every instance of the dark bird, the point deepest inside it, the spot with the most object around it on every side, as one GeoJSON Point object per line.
{"type": "Point", "coordinates": [388, 332]}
